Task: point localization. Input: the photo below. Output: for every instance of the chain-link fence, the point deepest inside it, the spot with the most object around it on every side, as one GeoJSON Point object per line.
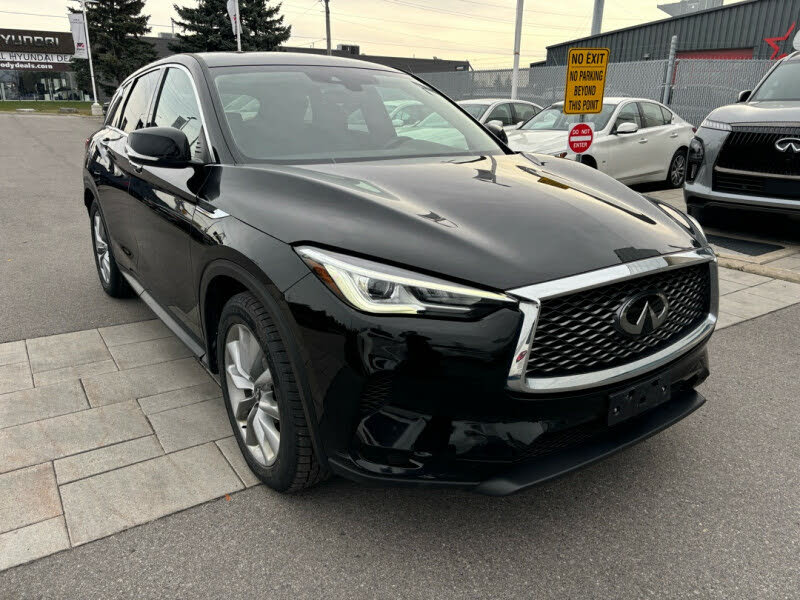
{"type": "Point", "coordinates": [698, 85]}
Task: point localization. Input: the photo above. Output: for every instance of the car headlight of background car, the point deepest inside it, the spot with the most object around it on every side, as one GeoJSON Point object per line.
{"type": "Point", "coordinates": [718, 125]}
{"type": "Point", "coordinates": [382, 289]}
{"type": "Point", "coordinates": [695, 158]}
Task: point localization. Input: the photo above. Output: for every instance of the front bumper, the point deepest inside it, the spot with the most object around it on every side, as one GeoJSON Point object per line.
{"type": "Point", "coordinates": [415, 400]}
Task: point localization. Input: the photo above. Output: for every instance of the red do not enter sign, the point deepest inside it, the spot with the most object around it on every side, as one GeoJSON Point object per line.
{"type": "Point", "coordinates": [580, 138]}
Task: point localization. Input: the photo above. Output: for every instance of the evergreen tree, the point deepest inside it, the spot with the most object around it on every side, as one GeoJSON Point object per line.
{"type": "Point", "coordinates": [115, 30]}
{"type": "Point", "coordinates": [207, 28]}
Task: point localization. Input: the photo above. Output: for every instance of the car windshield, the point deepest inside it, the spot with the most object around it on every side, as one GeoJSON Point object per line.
{"type": "Point", "coordinates": [553, 118]}
{"type": "Point", "coordinates": [782, 84]}
{"type": "Point", "coordinates": [476, 110]}
{"type": "Point", "coordinates": [313, 114]}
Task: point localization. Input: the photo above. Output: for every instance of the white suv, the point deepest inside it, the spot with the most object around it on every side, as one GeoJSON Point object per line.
{"type": "Point", "coordinates": [635, 139]}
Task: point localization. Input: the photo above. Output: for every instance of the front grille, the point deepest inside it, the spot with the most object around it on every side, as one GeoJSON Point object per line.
{"type": "Point", "coordinates": [752, 148]}
{"type": "Point", "coordinates": [576, 334]}
{"type": "Point", "coordinates": [756, 185]}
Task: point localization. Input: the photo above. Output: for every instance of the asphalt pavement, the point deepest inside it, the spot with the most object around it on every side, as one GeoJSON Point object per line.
{"type": "Point", "coordinates": [708, 509]}
{"type": "Point", "coordinates": [48, 282]}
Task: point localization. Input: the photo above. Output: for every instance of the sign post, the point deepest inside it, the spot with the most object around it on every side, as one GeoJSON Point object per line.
{"type": "Point", "coordinates": [586, 81]}
{"type": "Point", "coordinates": [97, 110]}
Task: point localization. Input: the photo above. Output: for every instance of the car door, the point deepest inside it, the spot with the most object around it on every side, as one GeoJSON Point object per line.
{"type": "Point", "coordinates": [501, 112]}
{"type": "Point", "coordinates": [658, 150]}
{"type": "Point", "coordinates": [164, 203]}
{"type": "Point", "coordinates": [624, 150]}
{"type": "Point", "coordinates": [105, 151]}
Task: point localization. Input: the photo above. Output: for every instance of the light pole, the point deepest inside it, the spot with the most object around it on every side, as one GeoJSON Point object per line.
{"type": "Point", "coordinates": [517, 36]}
{"type": "Point", "coordinates": [97, 110]}
{"type": "Point", "coordinates": [328, 25]}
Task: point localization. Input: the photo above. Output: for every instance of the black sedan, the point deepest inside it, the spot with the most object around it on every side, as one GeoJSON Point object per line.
{"type": "Point", "coordinates": [393, 303]}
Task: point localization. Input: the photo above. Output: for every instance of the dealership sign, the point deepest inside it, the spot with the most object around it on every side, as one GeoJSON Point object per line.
{"type": "Point", "coordinates": [22, 50]}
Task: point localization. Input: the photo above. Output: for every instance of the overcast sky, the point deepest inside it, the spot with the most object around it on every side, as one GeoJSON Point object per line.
{"type": "Point", "coordinates": [477, 30]}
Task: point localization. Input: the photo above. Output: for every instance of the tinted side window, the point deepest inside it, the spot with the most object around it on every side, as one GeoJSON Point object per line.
{"type": "Point", "coordinates": [114, 106]}
{"type": "Point", "coordinates": [653, 117]}
{"type": "Point", "coordinates": [629, 114]}
{"type": "Point", "coordinates": [501, 112]}
{"type": "Point", "coordinates": [135, 112]}
{"type": "Point", "coordinates": [177, 106]}
{"type": "Point", "coordinates": [667, 115]}
{"type": "Point", "coordinates": [523, 112]}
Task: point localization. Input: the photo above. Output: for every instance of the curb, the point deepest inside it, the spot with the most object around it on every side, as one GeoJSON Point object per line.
{"type": "Point", "coordinates": [756, 269]}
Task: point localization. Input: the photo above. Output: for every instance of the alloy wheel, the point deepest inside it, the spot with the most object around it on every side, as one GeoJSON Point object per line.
{"type": "Point", "coordinates": [101, 248]}
{"type": "Point", "coordinates": [678, 170]}
{"type": "Point", "coordinates": [252, 394]}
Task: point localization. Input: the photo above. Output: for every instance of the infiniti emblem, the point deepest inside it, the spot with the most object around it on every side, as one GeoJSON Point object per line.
{"type": "Point", "coordinates": [642, 313]}
{"type": "Point", "coordinates": [788, 145]}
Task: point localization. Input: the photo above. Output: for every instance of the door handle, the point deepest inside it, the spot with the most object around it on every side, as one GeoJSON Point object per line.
{"type": "Point", "coordinates": [673, 135]}
{"type": "Point", "coordinates": [643, 141]}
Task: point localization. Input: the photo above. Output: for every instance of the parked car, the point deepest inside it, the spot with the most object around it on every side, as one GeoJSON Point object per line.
{"type": "Point", "coordinates": [440, 311]}
{"type": "Point", "coordinates": [503, 112]}
{"type": "Point", "coordinates": [635, 140]}
{"type": "Point", "coordinates": [747, 155]}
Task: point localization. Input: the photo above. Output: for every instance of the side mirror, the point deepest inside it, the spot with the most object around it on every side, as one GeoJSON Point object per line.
{"type": "Point", "coordinates": [627, 128]}
{"type": "Point", "coordinates": [744, 95]}
{"type": "Point", "coordinates": [159, 147]}
{"type": "Point", "coordinates": [495, 122]}
{"type": "Point", "coordinates": [497, 131]}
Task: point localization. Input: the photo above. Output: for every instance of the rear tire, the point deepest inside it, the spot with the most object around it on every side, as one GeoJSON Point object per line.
{"type": "Point", "coordinates": [676, 174]}
{"type": "Point", "coordinates": [114, 284]}
{"type": "Point", "coordinates": [262, 397]}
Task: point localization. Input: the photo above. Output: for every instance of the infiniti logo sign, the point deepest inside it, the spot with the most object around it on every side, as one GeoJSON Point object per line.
{"type": "Point", "coordinates": [642, 313]}
{"type": "Point", "coordinates": [788, 145]}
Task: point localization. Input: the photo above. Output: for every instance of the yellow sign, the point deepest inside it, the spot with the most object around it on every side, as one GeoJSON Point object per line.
{"type": "Point", "coordinates": [586, 80]}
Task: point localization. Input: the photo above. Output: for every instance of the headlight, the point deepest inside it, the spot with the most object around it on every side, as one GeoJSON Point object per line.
{"type": "Point", "coordinates": [695, 158]}
{"type": "Point", "coordinates": [718, 125]}
{"type": "Point", "coordinates": [381, 289]}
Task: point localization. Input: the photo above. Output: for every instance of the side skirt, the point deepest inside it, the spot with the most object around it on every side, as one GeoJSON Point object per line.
{"type": "Point", "coordinates": [167, 319]}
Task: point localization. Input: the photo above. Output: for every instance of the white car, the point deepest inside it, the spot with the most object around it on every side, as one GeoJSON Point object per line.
{"type": "Point", "coordinates": [635, 139]}
{"type": "Point", "coordinates": [508, 114]}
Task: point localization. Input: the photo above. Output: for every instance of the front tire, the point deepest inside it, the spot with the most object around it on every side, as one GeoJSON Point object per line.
{"type": "Point", "coordinates": [262, 397]}
{"type": "Point", "coordinates": [676, 174]}
{"type": "Point", "coordinates": [114, 284]}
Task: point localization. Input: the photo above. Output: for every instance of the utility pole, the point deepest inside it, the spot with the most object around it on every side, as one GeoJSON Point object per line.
{"type": "Point", "coordinates": [328, 25]}
{"type": "Point", "coordinates": [597, 18]}
{"type": "Point", "coordinates": [517, 36]}
{"type": "Point", "coordinates": [97, 110]}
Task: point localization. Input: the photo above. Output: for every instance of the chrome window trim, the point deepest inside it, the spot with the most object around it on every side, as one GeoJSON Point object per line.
{"type": "Point", "coordinates": [530, 303]}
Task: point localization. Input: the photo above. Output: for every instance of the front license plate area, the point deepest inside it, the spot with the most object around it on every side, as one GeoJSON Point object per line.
{"type": "Point", "coordinates": [637, 399]}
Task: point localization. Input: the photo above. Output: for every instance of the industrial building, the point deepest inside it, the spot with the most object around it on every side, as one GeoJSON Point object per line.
{"type": "Point", "coordinates": [762, 29]}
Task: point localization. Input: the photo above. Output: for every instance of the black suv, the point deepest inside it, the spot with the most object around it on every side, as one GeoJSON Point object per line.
{"type": "Point", "coordinates": [393, 302]}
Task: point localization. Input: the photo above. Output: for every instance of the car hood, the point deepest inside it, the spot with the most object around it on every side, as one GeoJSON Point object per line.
{"type": "Point", "coordinates": [537, 141]}
{"type": "Point", "coordinates": [496, 221]}
{"type": "Point", "coordinates": [758, 112]}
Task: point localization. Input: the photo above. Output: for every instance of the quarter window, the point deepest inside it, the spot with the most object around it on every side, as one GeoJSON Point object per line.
{"type": "Point", "coordinates": [502, 113]}
{"type": "Point", "coordinates": [135, 113]}
{"type": "Point", "coordinates": [667, 115]}
{"type": "Point", "coordinates": [653, 117]}
{"type": "Point", "coordinates": [114, 105]}
{"type": "Point", "coordinates": [177, 107]}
